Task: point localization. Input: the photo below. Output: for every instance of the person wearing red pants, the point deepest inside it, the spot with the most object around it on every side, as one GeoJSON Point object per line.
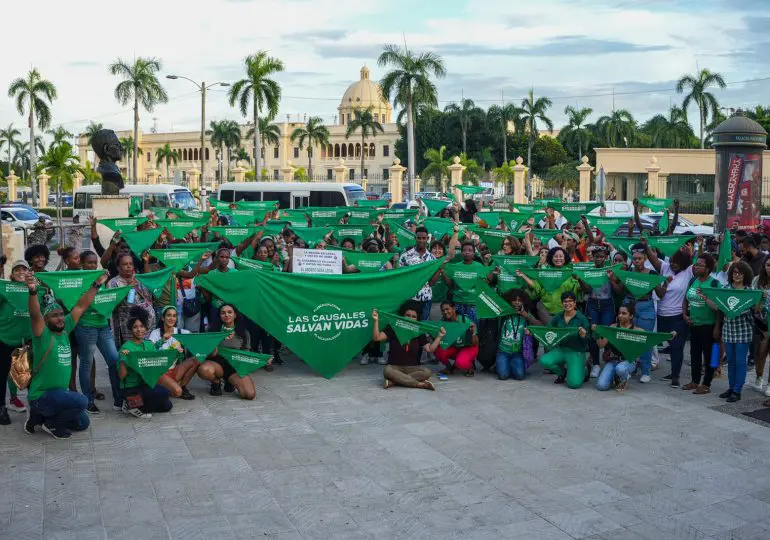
{"type": "Point", "coordinates": [463, 352]}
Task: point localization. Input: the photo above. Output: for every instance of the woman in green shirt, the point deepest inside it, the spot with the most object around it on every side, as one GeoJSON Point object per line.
{"type": "Point", "coordinates": [701, 318]}
{"type": "Point", "coordinates": [550, 303]}
{"type": "Point", "coordinates": [462, 278]}
{"type": "Point", "coordinates": [510, 359]}
{"type": "Point", "coordinates": [154, 399]}
{"type": "Point", "coordinates": [570, 355]}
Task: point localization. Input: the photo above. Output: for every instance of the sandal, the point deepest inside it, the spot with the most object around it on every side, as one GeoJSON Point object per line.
{"type": "Point", "coordinates": [621, 386]}
{"type": "Point", "coordinates": [470, 373]}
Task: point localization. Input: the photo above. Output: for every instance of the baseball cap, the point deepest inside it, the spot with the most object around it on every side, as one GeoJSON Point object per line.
{"type": "Point", "coordinates": [25, 264]}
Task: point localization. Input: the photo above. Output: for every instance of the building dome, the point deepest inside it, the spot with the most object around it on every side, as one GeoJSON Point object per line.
{"type": "Point", "coordinates": [362, 95]}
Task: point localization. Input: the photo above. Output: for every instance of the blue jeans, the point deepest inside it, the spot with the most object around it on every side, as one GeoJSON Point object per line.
{"type": "Point", "coordinates": [425, 311]}
{"type": "Point", "coordinates": [599, 312]}
{"type": "Point", "coordinates": [90, 339]}
{"type": "Point", "coordinates": [675, 323]}
{"type": "Point", "coordinates": [737, 360]}
{"type": "Point", "coordinates": [61, 408]}
{"type": "Point", "coordinates": [644, 317]}
{"type": "Point", "coordinates": [510, 365]}
{"type": "Point", "coordinates": [620, 369]}
{"type": "Point", "coordinates": [469, 310]}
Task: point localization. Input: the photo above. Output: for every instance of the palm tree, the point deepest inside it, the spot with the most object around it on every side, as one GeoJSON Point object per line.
{"type": "Point", "coordinates": [464, 113]}
{"type": "Point", "coordinates": [140, 85]}
{"type": "Point", "coordinates": [242, 155]}
{"type": "Point", "coordinates": [617, 129]}
{"type": "Point", "coordinates": [575, 134]}
{"type": "Point", "coordinates": [532, 111]}
{"type": "Point", "coordinates": [409, 83]}
{"type": "Point", "coordinates": [21, 158]}
{"type": "Point", "coordinates": [314, 133]}
{"type": "Point", "coordinates": [93, 128]}
{"type": "Point", "coordinates": [438, 165]}
{"type": "Point", "coordinates": [705, 100]}
{"type": "Point", "coordinates": [35, 94]}
{"type": "Point", "coordinates": [363, 120]}
{"type": "Point", "coordinates": [8, 137]}
{"type": "Point", "coordinates": [231, 133]}
{"type": "Point", "coordinates": [128, 148]}
{"type": "Point", "coordinates": [499, 116]}
{"type": "Point", "coordinates": [218, 136]}
{"type": "Point", "coordinates": [504, 173]}
{"type": "Point", "coordinates": [165, 153]}
{"type": "Point", "coordinates": [259, 89]}
{"type": "Point", "coordinates": [473, 171]}
{"type": "Point", "coordinates": [90, 176]}
{"type": "Point", "coordinates": [672, 131]}
{"type": "Point", "coordinates": [59, 135]}
{"type": "Point", "coordinates": [268, 133]}
{"type": "Point", "coordinates": [61, 164]}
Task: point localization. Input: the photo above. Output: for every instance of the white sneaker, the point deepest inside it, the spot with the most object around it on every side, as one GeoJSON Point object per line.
{"type": "Point", "coordinates": [758, 384]}
{"type": "Point", "coordinates": [595, 371]}
{"type": "Point", "coordinates": [364, 360]}
{"type": "Point", "coordinates": [645, 379]}
{"type": "Point", "coordinates": [767, 391]}
{"type": "Point", "coordinates": [136, 413]}
{"type": "Point", "coordinates": [382, 361]}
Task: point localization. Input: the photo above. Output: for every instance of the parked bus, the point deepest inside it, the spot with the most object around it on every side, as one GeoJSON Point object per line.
{"type": "Point", "coordinates": [160, 195]}
{"type": "Point", "coordinates": [293, 194]}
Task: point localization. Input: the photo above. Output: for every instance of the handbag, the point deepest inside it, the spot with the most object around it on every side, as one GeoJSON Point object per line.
{"type": "Point", "coordinates": [528, 350]}
{"type": "Point", "coordinates": [133, 398]}
{"type": "Point", "coordinates": [21, 359]}
{"type": "Point", "coordinates": [191, 307]}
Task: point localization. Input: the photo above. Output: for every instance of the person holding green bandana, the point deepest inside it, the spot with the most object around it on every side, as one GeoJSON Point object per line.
{"type": "Point", "coordinates": [51, 404]}
{"type": "Point", "coordinates": [462, 277]}
{"type": "Point", "coordinates": [568, 360]}
{"type": "Point", "coordinates": [616, 367]}
{"type": "Point", "coordinates": [550, 303]}
{"type": "Point", "coordinates": [178, 376]}
{"type": "Point", "coordinates": [701, 318]}
{"type": "Point", "coordinates": [221, 264]}
{"type": "Point", "coordinates": [509, 361]}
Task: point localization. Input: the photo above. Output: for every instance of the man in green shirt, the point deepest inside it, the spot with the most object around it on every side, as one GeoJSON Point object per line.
{"type": "Point", "coordinates": [462, 278]}
{"type": "Point", "coordinates": [51, 404]}
{"type": "Point", "coordinates": [570, 354]}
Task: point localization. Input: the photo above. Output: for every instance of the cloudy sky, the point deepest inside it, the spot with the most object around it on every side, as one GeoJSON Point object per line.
{"type": "Point", "coordinates": [575, 52]}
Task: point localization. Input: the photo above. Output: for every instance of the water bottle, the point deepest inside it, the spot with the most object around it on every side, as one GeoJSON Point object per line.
{"type": "Point", "coordinates": [131, 296]}
{"type": "Point", "coordinates": [715, 355]}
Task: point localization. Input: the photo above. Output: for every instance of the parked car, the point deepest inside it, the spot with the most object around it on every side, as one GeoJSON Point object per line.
{"type": "Point", "coordinates": [22, 218]}
{"type": "Point", "coordinates": [648, 226]}
{"type": "Point", "coordinates": [683, 226]}
{"type": "Point", "coordinates": [48, 221]}
{"type": "Point", "coordinates": [404, 205]}
{"type": "Point", "coordinates": [387, 196]}
{"type": "Point", "coordinates": [371, 196]}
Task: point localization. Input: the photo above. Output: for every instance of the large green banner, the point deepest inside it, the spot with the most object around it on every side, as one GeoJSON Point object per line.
{"type": "Point", "coordinates": [323, 319]}
{"type": "Point", "coordinates": [631, 343]}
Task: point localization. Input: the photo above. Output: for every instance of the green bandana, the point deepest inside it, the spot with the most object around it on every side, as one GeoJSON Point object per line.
{"type": "Point", "coordinates": [201, 345]}
{"type": "Point", "coordinates": [623, 243]}
{"type": "Point", "coordinates": [489, 304]}
{"type": "Point", "coordinates": [401, 214]}
{"type": "Point", "coordinates": [17, 294]}
{"type": "Point", "coordinates": [155, 281]}
{"type": "Point", "coordinates": [244, 362]}
{"type": "Point", "coordinates": [378, 203]}
{"type": "Point", "coordinates": [161, 213]}
{"type": "Point", "coordinates": [135, 206]}
{"type": "Point", "coordinates": [438, 227]}
{"type": "Point", "coordinates": [313, 235]}
{"type": "Point", "coordinates": [235, 235]}
{"type": "Point", "coordinates": [663, 223]}
{"type": "Point", "coordinates": [141, 241]}
{"type": "Point", "coordinates": [404, 328]}
{"type": "Point", "coordinates": [493, 238]}
{"type": "Point", "coordinates": [454, 330]}
{"type": "Point", "coordinates": [323, 319]}
{"type": "Point", "coordinates": [595, 277]}
{"type": "Point", "coordinates": [544, 235]}
{"type": "Point", "coordinates": [527, 208]}
{"type": "Point", "coordinates": [514, 220]}
{"type": "Point", "coordinates": [50, 307]}
{"type": "Point", "coordinates": [187, 246]}
{"type": "Point", "coordinates": [244, 217]}
{"type": "Point", "coordinates": [658, 205]}
{"type": "Point", "coordinates": [107, 300]}
{"type": "Point", "coordinates": [69, 285]}
{"type": "Point", "coordinates": [177, 259]}
{"type": "Point", "coordinates": [404, 236]}
{"type": "Point", "coordinates": [733, 302]}
{"type": "Point", "coordinates": [607, 225]}
{"type": "Point", "coordinates": [551, 337]}
{"type": "Point", "coordinates": [573, 211]}
{"type": "Point", "coordinates": [366, 262]}
{"type": "Point", "coordinates": [470, 190]}
{"type": "Point", "coordinates": [242, 263]}
{"type": "Point", "coordinates": [632, 343]}
{"type": "Point", "coordinates": [363, 216]}
{"type": "Point", "coordinates": [549, 278]}
{"type": "Point", "coordinates": [180, 228]}
{"type": "Point", "coordinates": [507, 280]}
{"type": "Point", "coordinates": [356, 234]}
{"type": "Point", "coordinates": [668, 245]}
{"type": "Point", "coordinates": [150, 365]}
{"type": "Point", "coordinates": [435, 206]}
{"type": "Point", "coordinates": [123, 224]}
{"type": "Point", "coordinates": [639, 284]}
{"type": "Point", "coordinates": [512, 262]}
{"type": "Point", "coordinates": [725, 252]}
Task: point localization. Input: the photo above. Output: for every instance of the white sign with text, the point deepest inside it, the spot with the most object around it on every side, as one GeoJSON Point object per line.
{"type": "Point", "coordinates": [317, 261]}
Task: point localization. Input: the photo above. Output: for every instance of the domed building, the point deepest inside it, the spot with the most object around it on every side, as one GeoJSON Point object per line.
{"type": "Point", "coordinates": [277, 160]}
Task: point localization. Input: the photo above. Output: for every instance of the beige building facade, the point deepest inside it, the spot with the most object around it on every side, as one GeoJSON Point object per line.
{"type": "Point", "coordinates": [378, 152]}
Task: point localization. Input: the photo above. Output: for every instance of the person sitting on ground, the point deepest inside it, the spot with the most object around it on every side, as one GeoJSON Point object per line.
{"type": "Point", "coordinates": [616, 368]}
{"type": "Point", "coordinates": [463, 351]}
{"type": "Point", "coordinates": [567, 361]}
{"type": "Point", "coordinates": [403, 368]}
{"type": "Point", "coordinates": [51, 404]}
{"type": "Point", "coordinates": [510, 359]}
{"type": "Point", "coordinates": [179, 374]}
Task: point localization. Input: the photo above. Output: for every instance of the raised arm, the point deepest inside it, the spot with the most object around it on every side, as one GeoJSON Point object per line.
{"type": "Point", "coordinates": [672, 224]}
{"type": "Point", "coordinates": [107, 255]}
{"type": "Point", "coordinates": [652, 256]}
{"type": "Point", "coordinates": [33, 305]}
{"type": "Point", "coordinates": [376, 334]}
{"type": "Point", "coordinates": [88, 297]}
{"type": "Point", "coordinates": [637, 219]}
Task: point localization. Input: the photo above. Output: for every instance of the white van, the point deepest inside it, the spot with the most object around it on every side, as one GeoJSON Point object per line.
{"type": "Point", "coordinates": [293, 194]}
{"type": "Point", "coordinates": [615, 209]}
{"type": "Point", "coordinates": [160, 195]}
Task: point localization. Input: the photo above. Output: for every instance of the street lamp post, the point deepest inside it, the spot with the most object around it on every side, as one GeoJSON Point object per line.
{"type": "Point", "coordinates": [202, 89]}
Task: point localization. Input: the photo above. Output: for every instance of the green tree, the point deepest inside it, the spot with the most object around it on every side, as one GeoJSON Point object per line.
{"type": "Point", "coordinates": [699, 94]}
{"type": "Point", "coordinates": [547, 152]}
{"type": "Point", "coordinates": [33, 94]}
{"type": "Point", "coordinates": [140, 84]}
{"type": "Point", "coordinates": [438, 164]}
{"type": "Point", "coordinates": [167, 154]}
{"type": "Point", "coordinates": [314, 133]}
{"type": "Point", "coordinates": [500, 117]}
{"type": "Point", "coordinates": [8, 137]}
{"type": "Point", "coordinates": [759, 114]}
{"type": "Point", "coordinates": [672, 131]}
{"type": "Point", "coordinates": [363, 121]}
{"type": "Point", "coordinates": [232, 139]}
{"type": "Point", "coordinates": [268, 133]}
{"type": "Point", "coordinates": [575, 135]}
{"type": "Point", "coordinates": [473, 171]}
{"type": "Point", "coordinates": [242, 155]}
{"type": "Point", "coordinates": [259, 89]}
{"type": "Point", "coordinates": [128, 148]}
{"type": "Point", "coordinates": [464, 114]}
{"type": "Point", "coordinates": [409, 82]}
{"type": "Point", "coordinates": [534, 110]}
{"type": "Point", "coordinates": [59, 135]}
{"type": "Point", "coordinates": [563, 175]}
{"type": "Point", "coordinates": [93, 128]}
{"type": "Point", "coordinates": [217, 132]}
{"type": "Point", "coordinates": [618, 129]}
{"type": "Point", "coordinates": [504, 175]}
{"type": "Point", "coordinates": [90, 176]}
{"type": "Point", "coordinates": [61, 164]}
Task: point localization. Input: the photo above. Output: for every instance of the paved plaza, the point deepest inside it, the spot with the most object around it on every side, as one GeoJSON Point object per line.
{"type": "Point", "coordinates": [343, 458]}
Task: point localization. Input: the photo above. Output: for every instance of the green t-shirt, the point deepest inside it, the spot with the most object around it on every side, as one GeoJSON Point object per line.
{"type": "Point", "coordinates": [464, 277]}
{"type": "Point", "coordinates": [700, 313]}
{"type": "Point", "coordinates": [512, 334]}
{"type": "Point", "coordinates": [133, 379]}
{"type": "Point", "coordinates": [572, 343]}
{"type": "Point", "coordinates": [552, 300]}
{"type": "Point", "coordinates": [440, 290]}
{"type": "Point", "coordinates": [55, 371]}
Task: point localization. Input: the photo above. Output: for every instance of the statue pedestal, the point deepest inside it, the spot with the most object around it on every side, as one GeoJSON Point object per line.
{"type": "Point", "coordinates": [109, 207]}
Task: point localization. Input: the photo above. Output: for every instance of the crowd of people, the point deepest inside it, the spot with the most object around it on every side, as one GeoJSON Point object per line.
{"type": "Point", "coordinates": [64, 341]}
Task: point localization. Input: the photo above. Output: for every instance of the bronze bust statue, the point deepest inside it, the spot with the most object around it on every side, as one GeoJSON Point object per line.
{"type": "Point", "coordinates": [109, 150]}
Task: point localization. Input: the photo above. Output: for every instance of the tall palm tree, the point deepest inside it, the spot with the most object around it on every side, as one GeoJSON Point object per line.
{"type": "Point", "coordinates": [364, 121]}
{"type": "Point", "coordinates": [231, 133]}
{"type": "Point", "coordinates": [217, 133]}
{"type": "Point", "coordinates": [21, 158]}
{"type": "Point", "coordinates": [8, 136]}
{"type": "Point", "coordinates": [699, 94]}
{"type": "Point", "coordinates": [409, 83]}
{"type": "Point", "coordinates": [165, 153]}
{"type": "Point", "coordinates": [473, 171]}
{"type": "Point", "coordinates": [59, 135]}
{"type": "Point", "coordinates": [504, 174]}
{"type": "Point", "coordinates": [532, 111]}
{"type": "Point", "coordinates": [268, 133]}
{"type": "Point", "coordinates": [464, 114]}
{"type": "Point", "coordinates": [618, 128]}
{"type": "Point", "coordinates": [34, 94]}
{"type": "Point", "coordinates": [93, 128]}
{"type": "Point", "coordinates": [140, 85]}
{"type": "Point", "coordinates": [61, 164]}
{"type": "Point", "coordinates": [499, 117]}
{"type": "Point", "coordinates": [314, 133]}
{"type": "Point", "coordinates": [575, 134]}
{"type": "Point", "coordinates": [258, 89]}
{"type": "Point", "coordinates": [672, 131]}
{"type": "Point", "coordinates": [128, 149]}
{"type": "Point", "coordinates": [242, 155]}
{"type": "Point", "coordinates": [438, 165]}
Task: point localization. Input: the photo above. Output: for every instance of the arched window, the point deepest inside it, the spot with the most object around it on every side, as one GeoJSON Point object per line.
{"type": "Point", "coordinates": [207, 154]}
{"type": "Point", "coordinates": [196, 156]}
{"type": "Point", "coordinates": [358, 150]}
{"type": "Point", "coordinates": [323, 151]}
{"type": "Point", "coordinates": [348, 118]}
{"type": "Point", "coordinates": [376, 117]}
{"type": "Point", "coordinates": [371, 150]}
{"type": "Point", "coordinates": [330, 151]}
{"type": "Point", "coordinates": [336, 150]}
{"type": "Point", "coordinates": [350, 149]}
{"type": "Point", "coordinates": [344, 151]}
{"type": "Point", "coordinates": [184, 154]}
